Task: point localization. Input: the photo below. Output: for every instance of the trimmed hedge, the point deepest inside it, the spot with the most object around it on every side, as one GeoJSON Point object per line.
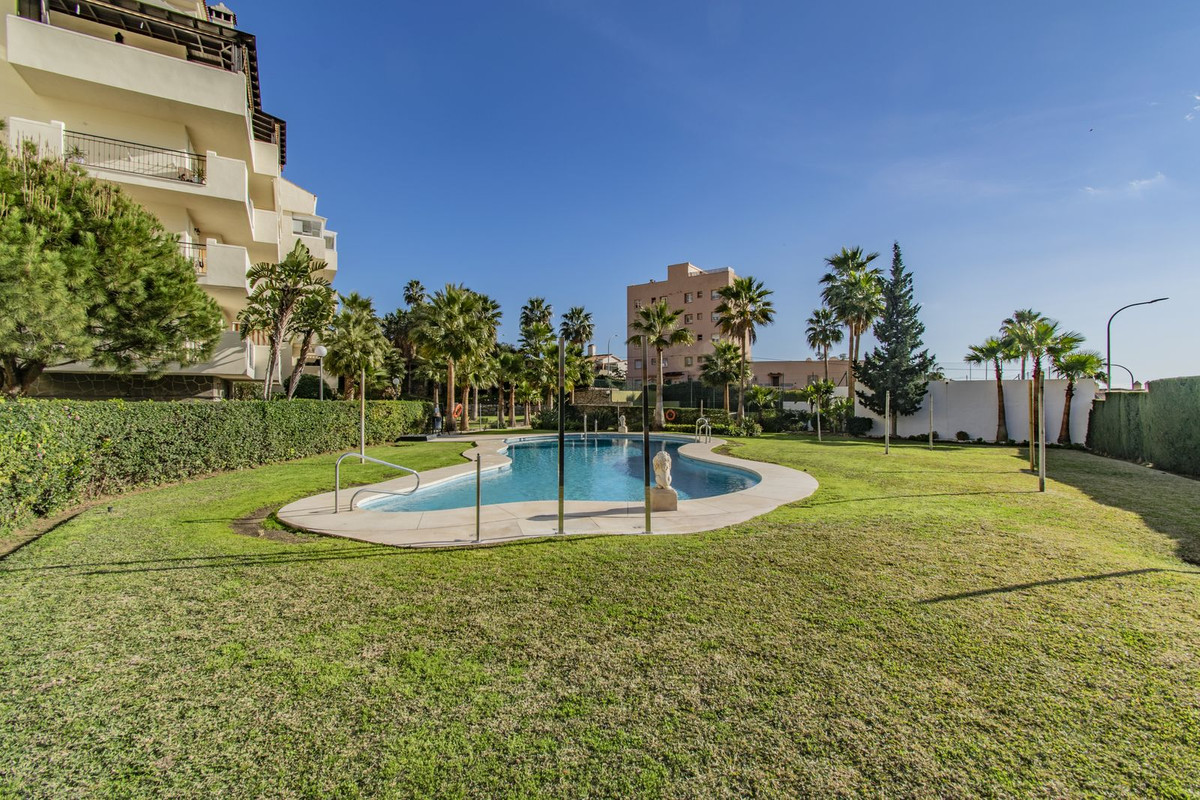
{"type": "Point", "coordinates": [1159, 427]}
{"type": "Point", "coordinates": [54, 453]}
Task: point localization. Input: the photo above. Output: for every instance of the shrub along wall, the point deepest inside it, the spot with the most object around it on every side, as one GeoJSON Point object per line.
{"type": "Point", "coordinates": [54, 453]}
{"type": "Point", "coordinates": [1159, 427]}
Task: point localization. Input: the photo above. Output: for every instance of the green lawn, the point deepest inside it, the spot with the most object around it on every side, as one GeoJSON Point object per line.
{"type": "Point", "coordinates": [926, 624]}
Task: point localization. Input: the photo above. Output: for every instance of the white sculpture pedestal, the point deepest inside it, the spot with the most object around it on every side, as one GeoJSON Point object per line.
{"type": "Point", "coordinates": [621, 426]}
{"type": "Point", "coordinates": [663, 499]}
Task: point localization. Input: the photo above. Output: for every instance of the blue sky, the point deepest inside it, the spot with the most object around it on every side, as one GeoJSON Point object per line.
{"type": "Point", "coordinates": [1024, 154]}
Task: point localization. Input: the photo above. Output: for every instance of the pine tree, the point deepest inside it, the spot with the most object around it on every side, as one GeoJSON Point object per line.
{"type": "Point", "coordinates": [899, 363]}
{"type": "Point", "coordinates": [87, 274]}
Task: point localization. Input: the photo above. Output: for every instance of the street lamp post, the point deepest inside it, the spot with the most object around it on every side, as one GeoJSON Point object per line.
{"type": "Point", "coordinates": [1108, 338]}
{"type": "Point", "coordinates": [320, 352]}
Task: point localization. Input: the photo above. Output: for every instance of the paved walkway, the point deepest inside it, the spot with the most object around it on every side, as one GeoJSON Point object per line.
{"type": "Point", "coordinates": [512, 521]}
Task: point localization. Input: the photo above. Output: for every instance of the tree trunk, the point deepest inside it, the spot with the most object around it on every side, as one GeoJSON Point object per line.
{"type": "Point", "coordinates": [1064, 433]}
{"type": "Point", "coordinates": [659, 416]}
{"type": "Point", "coordinates": [294, 379]}
{"type": "Point", "coordinates": [1001, 416]}
{"type": "Point", "coordinates": [826, 362]}
{"type": "Point", "coordinates": [851, 347]}
{"type": "Point", "coordinates": [727, 399]}
{"type": "Point", "coordinates": [742, 378]}
{"type": "Point", "coordinates": [527, 420]}
{"type": "Point", "coordinates": [362, 416]}
{"type": "Point", "coordinates": [19, 380]}
{"type": "Point", "coordinates": [512, 405]}
{"type": "Point", "coordinates": [449, 416]}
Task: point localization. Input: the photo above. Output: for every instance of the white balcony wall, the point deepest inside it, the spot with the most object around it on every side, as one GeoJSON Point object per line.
{"type": "Point", "coordinates": [230, 359]}
{"type": "Point", "coordinates": [62, 56]}
{"type": "Point", "coordinates": [48, 136]}
{"type": "Point", "coordinates": [266, 226]}
{"type": "Point", "coordinates": [226, 266]}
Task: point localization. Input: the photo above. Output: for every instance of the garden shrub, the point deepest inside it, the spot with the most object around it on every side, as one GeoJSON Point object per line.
{"type": "Point", "coordinates": [54, 453]}
{"type": "Point", "coordinates": [859, 426]}
{"type": "Point", "coordinates": [1158, 426]}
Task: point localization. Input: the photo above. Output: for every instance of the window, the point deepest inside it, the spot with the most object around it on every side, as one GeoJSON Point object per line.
{"type": "Point", "coordinates": [702, 359]}
{"type": "Point", "coordinates": [716, 294]}
{"type": "Point", "coordinates": [687, 297]}
{"type": "Point", "coordinates": [306, 226]}
{"type": "Point", "coordinates": [637, 303]}
{"type": "Point", "coordinates": [715, 317]}
{"type": "Point", "coordinates": [637, 364]}
{"type": "Point", "coordinates": [687, 361]}
{"type": "Point", "coordinates": [699, 337]}
{"type": "Point", "coordinates": [687, 319]}
{"type": "Point", "coordinates": [653, 300]}
{"type": "Point", "coordinates": [654, 362]}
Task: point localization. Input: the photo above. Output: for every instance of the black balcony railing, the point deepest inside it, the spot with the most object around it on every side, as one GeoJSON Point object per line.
{"type": "Point", "coordinates": [134, 158]}
{"type": "Point", "coordinates": [197, 254]}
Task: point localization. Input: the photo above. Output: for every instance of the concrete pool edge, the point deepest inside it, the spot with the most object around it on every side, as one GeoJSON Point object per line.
{"type": "Point", "coordinates": [508, 522]}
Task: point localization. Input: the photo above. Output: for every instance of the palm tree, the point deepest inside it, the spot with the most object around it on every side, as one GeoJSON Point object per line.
{"type": "Point", "coordinates": [512, 364]}
{"type": "Point", "coordinates": [743, 309]}
{"type": "Point", "coordinates": [1021, 320]}
{"type": "Point", "coordinates": [452, 328]}
{"type": "Point", "coordinates": [414, 293]}
{"type": "Point", "coordinates": [356, 346]}
{"type": "Point", "coordinates": [536, 310]}
{"type": "Point", "coordinates": [313, 314]}
{"type": "Point", "coordinates": [722, 367]}
{"type": "Point", "coordinates": [760, 397]}
{"type": "Point", "coordinates": [1036, 341]}
{"type": "Point", "coordinates": [540, 371]}
{"type": "Point", "coordinates": [994, 351]}
{"type": "Point", "coordinates": [1074, 365]}
{"type": "Point", "coordinates": [854, 291]}
{"type": "Point", "coordinates": [577, 326]}
{"type": "Point", "coordinates": [823, 332]}
{"type": "Point", "coordinates": [276, 290]}
{"type": "Point", "coordinates": [658, 326]}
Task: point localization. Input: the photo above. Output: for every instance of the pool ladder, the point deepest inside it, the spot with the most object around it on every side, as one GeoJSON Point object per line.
{"type": "Point", "coordinates": [703, 428]}
{"type": "Point", "coordinates": [337, 479]}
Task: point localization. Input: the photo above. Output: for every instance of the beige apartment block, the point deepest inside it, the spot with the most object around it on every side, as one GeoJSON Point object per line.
{"type": "Point", "coordinates": [694, 292]}
{"type": "Point", "coordinates": [162, 97]}
{"type": "Point", "coordinates": [798, 374]}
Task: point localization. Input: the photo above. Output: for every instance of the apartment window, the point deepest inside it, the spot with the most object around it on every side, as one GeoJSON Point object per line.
{"type": "Point", "coordinates": [637, 303]}
{"type": "Point", "coordinates": [687, 319]}
{"type": "Point", "coordinates": [687, 361]}
{"type": "Point", "coordinates": [653, 300]}
{"type": "Point", "coordinates": [687, 297]}
{"type": "Point", "coordinates": [715, 317]}
{"type": "Point", "coordinates": [306, 226]}
{"type": "Point", "coordinates": [664, 362]}
{"type": "Point", "coordinates": [330, 241]}
{"type": "Point", "coordinates": [637, 364]}
{"type": "Point", "coordinates": [716, 294]}
{"type": "Point", "coordinates": [702, 359]}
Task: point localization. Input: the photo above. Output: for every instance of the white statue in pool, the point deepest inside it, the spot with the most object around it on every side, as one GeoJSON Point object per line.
{"type": "Point", "coordinates": [662, 470]}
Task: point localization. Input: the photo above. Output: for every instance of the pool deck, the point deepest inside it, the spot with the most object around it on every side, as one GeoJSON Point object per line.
{"type": "Point", "coordinates": [509, 522]}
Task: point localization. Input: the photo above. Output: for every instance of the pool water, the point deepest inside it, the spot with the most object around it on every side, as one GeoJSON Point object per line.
{"type": "Point", "coordinates": [605, 468]}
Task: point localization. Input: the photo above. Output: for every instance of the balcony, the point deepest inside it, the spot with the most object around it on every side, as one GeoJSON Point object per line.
{"type": "Point", "coordinates": [225, 267]}
{"type": "Point", "coordinates": [233, 359]}
{"type": "Point", "coordinates": [198, 255]}
{"type": "Point", "coordinates": [134, 158]}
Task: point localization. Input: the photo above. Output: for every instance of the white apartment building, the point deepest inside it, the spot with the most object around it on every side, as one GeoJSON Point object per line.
{"type": "Point", "coordinates": [162, 97]}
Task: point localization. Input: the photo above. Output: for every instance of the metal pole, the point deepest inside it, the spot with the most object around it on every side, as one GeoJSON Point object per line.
{"type": "Point", "coordinates": [362, 416]}
{"type": "Point", "coordinates": [818, 419]}
{"type": "Point", "coordinates": [887, 422]}
{"type": "Point", "coordinates": [585, 426]}
{"type": "Point", "coordinates": [478, 494]}
{"type": "Point", "coordinates": [321, 372]}
{"type": "Point", "coordinates": [562, 430]}
{"type": "Point", "coordinates": [1041, 403]}
{"type": "Point", "coordinates": [1108, 335]}
{"type": "Point", "coordinates": [931, 418]}
{"type": "Point", "coordinates": [646, 430]}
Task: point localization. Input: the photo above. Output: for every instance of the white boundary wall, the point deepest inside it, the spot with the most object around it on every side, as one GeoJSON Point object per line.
{"type": "Point", "coordinates": [971, 406]}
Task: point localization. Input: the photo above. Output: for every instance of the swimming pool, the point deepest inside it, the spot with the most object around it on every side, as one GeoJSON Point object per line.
{"type": "Point", "coordinates": [598, 468]}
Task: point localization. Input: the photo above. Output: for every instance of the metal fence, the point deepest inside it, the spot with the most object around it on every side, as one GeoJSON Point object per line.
{"type": "Point", "coordinates": [197, 254]}
{"type": "Point", "coordinates": [134, 158]}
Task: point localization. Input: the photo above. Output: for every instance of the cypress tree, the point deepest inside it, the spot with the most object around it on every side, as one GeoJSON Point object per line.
{"type": "Point", "coordinates": [899, 363]}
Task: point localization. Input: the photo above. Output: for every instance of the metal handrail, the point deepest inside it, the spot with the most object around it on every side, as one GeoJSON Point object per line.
{"type": "Point", "coordinates": [704, 427]}
{"type": "Point", "coordinates": [337, 477]}
{"type": "Point", "coordinates": [369, 490]}
{"type": "Point", "coordinates": [134, 157]}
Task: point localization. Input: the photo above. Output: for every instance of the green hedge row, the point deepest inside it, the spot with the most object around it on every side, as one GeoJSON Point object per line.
{"type": "Point", "coordinates": [1159, 427]}
{"type": "Point", "coordinates": [54, 453]}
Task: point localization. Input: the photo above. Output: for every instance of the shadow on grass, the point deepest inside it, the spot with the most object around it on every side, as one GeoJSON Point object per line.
{"type": "Point", "coordinates": [1166, 503]}
{"type": "Point", "coordinates": [1018, 587]}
